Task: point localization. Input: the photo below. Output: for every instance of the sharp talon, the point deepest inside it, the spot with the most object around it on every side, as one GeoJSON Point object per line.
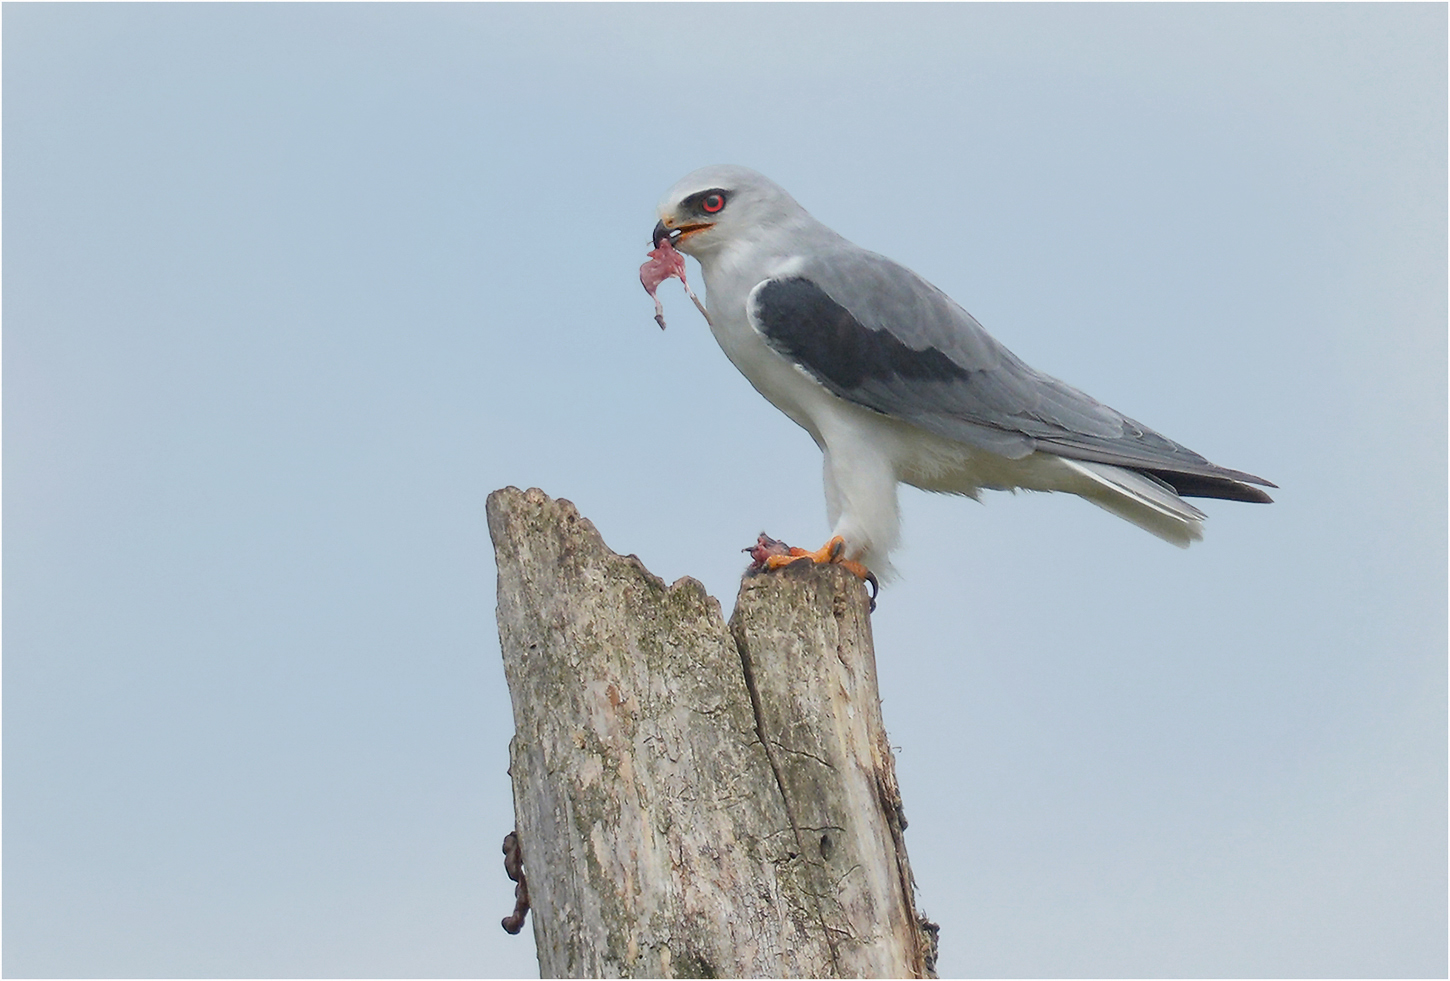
{"type": "Point", "coordinates": [768, 554]}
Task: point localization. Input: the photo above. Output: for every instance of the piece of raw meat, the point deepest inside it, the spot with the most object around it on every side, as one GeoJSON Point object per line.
{"type": "Point", "coordinates": [665, 263]}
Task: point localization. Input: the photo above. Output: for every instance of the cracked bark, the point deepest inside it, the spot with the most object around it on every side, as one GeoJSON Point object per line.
{"type": "Point", "coordinates": [695, 798]}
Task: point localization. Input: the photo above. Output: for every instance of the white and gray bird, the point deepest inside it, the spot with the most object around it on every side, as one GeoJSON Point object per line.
{"type": "Point", "coordinates": [896, 383]}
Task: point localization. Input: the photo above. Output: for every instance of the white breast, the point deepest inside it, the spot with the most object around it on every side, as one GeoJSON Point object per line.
{"type": "Point", "coordinates": [787, 387]}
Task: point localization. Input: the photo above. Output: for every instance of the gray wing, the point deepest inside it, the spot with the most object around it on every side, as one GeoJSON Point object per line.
{"type": "Point", "coordinates": [875, 333]}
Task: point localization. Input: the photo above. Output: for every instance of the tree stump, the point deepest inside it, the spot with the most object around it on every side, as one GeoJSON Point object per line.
{"type": "Point", "coordinates": [695, 798]}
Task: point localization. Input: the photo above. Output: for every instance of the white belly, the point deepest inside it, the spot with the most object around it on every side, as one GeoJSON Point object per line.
{"type": "Point", "coordinates": [866, 453]}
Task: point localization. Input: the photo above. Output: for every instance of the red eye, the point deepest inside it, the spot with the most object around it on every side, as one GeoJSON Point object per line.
{"type": "Point", "coordinates": [713, 203]}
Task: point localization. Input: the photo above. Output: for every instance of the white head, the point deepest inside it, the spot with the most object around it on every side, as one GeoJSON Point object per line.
{"type": "Point", "coordinates": [713, 206]}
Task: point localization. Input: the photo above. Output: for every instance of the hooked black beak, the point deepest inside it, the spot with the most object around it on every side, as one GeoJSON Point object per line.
{"type": "Point", "coordinates": [663, 234]}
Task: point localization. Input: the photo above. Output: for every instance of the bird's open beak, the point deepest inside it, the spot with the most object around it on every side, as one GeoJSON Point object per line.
{"type": "Point", "coordinates": [674, 236]}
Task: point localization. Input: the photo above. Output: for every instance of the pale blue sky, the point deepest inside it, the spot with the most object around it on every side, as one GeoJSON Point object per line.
{"type": "Point", "coordinates": [290, 289]}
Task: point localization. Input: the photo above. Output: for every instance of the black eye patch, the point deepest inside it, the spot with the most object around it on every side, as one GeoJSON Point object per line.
{"type": "Point", "coordinates": [710, 202]}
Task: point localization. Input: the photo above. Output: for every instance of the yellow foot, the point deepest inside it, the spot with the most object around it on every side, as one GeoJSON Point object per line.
{"type": "Point", "coordinates": [769, 554]}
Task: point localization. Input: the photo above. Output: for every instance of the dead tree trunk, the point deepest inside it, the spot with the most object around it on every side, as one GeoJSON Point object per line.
{"type": "Point", "coordinates": [697, 799]}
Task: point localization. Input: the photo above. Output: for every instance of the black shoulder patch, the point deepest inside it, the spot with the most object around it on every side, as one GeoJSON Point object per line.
{"type": "Point", "coordinates": [802, 322]}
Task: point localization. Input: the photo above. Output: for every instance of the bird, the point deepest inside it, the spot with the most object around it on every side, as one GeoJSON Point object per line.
{"type": "Point", "coordinates": [898, 384]}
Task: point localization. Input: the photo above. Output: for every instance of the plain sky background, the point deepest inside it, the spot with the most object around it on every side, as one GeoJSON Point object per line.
{"type": "Point", "coordinates": [289, 289]}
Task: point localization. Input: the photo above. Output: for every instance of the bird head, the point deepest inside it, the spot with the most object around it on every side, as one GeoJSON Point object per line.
{"type": "Point", "coordinates": [708, 209]}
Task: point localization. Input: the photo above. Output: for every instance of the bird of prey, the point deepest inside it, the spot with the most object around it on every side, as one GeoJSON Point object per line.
{"type": "Point", "coordinates": [896, 383]}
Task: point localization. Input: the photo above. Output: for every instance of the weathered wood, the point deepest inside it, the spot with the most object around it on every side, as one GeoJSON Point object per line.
{"type": "Point", "coordinates": [804, 637]}
{"type": "Point", "coordinates": [695, 799]}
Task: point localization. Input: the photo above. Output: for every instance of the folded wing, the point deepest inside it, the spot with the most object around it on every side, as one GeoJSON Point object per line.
{"type": "Point", "coordinates": [875, 333]}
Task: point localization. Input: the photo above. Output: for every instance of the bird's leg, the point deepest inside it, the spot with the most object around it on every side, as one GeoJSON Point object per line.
{"type": "Point", "coordinates": [827, 554]}
{"type": "Point", "coordinates": [769, 553]}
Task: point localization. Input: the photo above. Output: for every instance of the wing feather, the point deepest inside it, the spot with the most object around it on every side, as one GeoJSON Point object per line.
{"type": "Point", "coordinates": [875, 333]}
